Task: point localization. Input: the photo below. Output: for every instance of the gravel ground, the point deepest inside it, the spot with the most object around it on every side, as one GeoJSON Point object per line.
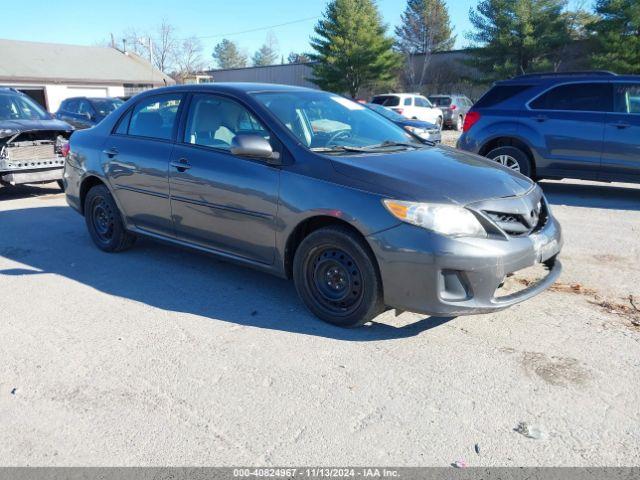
{"type": "Point", "coordinates": [160, 356]}
{"type": "Point", "coordinates": [450, 137]}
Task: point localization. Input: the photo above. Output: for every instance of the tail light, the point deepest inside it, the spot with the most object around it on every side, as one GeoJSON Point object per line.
{"type": "Point", "coordinates": [65, 149]}
{"type": "Point", "coordinates": [399, 111]}
{"type": "Point", "coordinates": [453, 107]}
{"type": "Point", "coordinates": [470, 120]}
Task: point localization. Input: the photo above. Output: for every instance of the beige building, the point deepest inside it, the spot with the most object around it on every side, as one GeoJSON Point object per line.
{"type": "Point", "coordinates": [50, 72]}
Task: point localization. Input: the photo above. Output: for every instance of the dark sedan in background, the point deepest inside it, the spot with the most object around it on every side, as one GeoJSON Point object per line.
{"type": "Point", "coordinates": [424, 130]}
{"type": "Point", "coordinates": [85, 112]}
{"type": "Point", "coordinates": [312, 186]}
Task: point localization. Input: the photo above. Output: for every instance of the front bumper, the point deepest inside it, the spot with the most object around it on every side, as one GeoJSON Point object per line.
{"type": "Point", "coordinates": [40, 175]}
{"type": "Point", "coordinates": [432, 274]}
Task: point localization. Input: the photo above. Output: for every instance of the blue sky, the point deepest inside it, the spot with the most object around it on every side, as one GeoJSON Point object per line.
{"type": "Point", "coordinates": [87, 22]}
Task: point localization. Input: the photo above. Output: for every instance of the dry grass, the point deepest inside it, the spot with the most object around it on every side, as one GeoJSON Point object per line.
{"type": "Point", "coordinates": [629, 311]}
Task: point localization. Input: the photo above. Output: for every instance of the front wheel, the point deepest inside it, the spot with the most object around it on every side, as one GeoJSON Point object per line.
{"type": "Point", "coordinates": [104, 221]}
{"type": "Point", "coordinates": [336, 277]}
{"type": "Point", "coordinates": [512, 158]}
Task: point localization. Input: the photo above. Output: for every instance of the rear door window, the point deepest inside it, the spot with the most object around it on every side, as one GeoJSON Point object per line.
{"type": "Point", "coordinates": [407, 101]}
{"type": "Point", "coordinates": [155, 117]}
{"type": "Point", "coordinates": [581, 97]}
{"type": "Point", "coordinates": [499, 94]}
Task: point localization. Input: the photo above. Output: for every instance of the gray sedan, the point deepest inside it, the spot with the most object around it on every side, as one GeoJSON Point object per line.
{"type": "Point", "coordinates": [311, 186]}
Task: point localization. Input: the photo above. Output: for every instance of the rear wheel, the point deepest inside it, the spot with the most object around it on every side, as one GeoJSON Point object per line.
{"type": "Point", "coordinates": [104, 221]}
{"type": "Point", "coordinates": [459, 123]}
{"type": "Point", "coordinates": [512, 158]}
{"type": "Point", "coordinates": [439, 123]}
{"type": "Point", "coordinates": [337, 278]}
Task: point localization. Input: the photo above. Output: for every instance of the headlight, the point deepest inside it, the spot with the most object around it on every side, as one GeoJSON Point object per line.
{"type": "Point", "coordinates": [448, 220]}
{"type": "Point", "coordinates": [417, 131]}
{"type": "Point", "coordinates": [7, 132]}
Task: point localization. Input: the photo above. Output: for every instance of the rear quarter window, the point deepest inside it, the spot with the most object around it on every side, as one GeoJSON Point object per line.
{"type": "Point", "coordinates": [499, 94]}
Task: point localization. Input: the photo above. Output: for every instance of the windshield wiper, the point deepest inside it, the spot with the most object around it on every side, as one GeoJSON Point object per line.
{"type": "Point", "coordinates": [391, 143]}
{"type": "Point", "coordinates": [339, 148]}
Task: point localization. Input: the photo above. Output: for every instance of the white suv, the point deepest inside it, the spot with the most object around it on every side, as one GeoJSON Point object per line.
{"type": "Point", "coordinates": [410, 105]}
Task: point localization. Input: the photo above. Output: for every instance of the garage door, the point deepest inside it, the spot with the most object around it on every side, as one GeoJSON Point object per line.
{"type": "Point", "coordinates": [86, 92]}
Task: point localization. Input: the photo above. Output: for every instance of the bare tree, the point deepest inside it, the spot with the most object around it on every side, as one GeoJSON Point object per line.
{"type": "Point", "coordinates": [133, 42]}
{"type": "Point", "coordinates": [188, 57]}
{"type": "Point", "coordinates": [164, 44]}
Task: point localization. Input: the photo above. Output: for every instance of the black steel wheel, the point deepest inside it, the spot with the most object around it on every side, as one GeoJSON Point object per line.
{"type": "Point", "coordinates": [337, 278]}
{"type": "Point", "coordinates": [104, 221]}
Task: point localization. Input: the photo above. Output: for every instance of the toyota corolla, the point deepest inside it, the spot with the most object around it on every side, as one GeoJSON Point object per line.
{"type": "Point", "coordinates": [311, 186]}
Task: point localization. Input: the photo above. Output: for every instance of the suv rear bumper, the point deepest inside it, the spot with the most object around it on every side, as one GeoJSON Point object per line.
{"type": "Point", "coordinates": [431, 274]}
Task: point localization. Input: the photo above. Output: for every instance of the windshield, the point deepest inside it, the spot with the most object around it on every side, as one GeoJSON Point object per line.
{"type": "Point", "coordinates": [324, 121]}
{"type": "Point", "coordinates": [14, 106]}
{"type": "Point", "coordinates": [385, 112]}
{"type": "Point", "coordinates": [440, 101]}
{"type": "Point", "coordinates": [104, 106]}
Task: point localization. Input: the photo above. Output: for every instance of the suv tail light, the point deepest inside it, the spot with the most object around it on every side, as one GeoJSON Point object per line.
{"type": "Point", "coordinates": [399, 111]}
{"type": "Point", "coordinates": [65, 149]}
{"type": "Point", "coordinates": [470, 120]}
{"type": "Point", "coordinates": [453, 107]}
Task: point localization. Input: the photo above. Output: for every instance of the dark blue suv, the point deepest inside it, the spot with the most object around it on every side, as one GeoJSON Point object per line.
{"type": "Point", "coordinates": [563, 125]}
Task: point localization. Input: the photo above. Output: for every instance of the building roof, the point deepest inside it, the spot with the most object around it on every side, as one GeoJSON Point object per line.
{"type": "Point", "coordinates": [56, 63]}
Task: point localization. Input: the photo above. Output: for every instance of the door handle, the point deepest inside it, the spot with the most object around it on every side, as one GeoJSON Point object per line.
{"type": "Point", "coordinates": [541, 118]}
{"type": "Point", "coordinates": [181, 165]}
{"type": "Point", "coordinates": [111, 152]}
{"type": "Point", "coordinates": [622, 125]}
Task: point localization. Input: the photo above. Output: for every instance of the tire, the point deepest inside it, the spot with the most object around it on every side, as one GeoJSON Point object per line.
{"type": "Point", "coordinates": [337, 277]}
{"type": "Point", "coordinates": [513, 158]}
{"type": "Point", "coordinates": [459, 123]}
{"type": "Point", "coordinates": [439, 123]}
{"type": "Point", "coordinates": [104, 221]}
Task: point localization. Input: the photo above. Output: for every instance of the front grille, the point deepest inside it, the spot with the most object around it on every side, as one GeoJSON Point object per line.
{"type": "Point", "coordinates": [520, 224]}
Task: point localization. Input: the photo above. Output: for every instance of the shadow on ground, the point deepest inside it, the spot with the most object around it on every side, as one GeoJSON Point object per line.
{"type": "Point", "coordinates": [53, 240]}
{"type": "Point", "coordinates": [592, 195]}
{"type": "Point", "coordinates": [25, 191]}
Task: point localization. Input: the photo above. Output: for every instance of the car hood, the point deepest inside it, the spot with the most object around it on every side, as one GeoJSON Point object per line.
{"type": "Point", "coordinates": [417, 124]}
{"type": "Point", "coordinates": [31, 125]}
{"type": "Point", "coordinates": [438, 174]}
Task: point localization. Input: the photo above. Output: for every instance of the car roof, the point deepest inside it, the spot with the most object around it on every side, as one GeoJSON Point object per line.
{"type": "Point", "coordinates": [399, 95]}
{"type": "Point", "coordinates": [235, 87]}
{"type": "Point", "coordinates": [90, 98]}
{"type": "Point", "coordinates": [560, 77]}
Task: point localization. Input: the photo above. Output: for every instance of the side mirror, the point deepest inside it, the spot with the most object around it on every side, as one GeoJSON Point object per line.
{"type": "Point", "coordinates": [254, 146]}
